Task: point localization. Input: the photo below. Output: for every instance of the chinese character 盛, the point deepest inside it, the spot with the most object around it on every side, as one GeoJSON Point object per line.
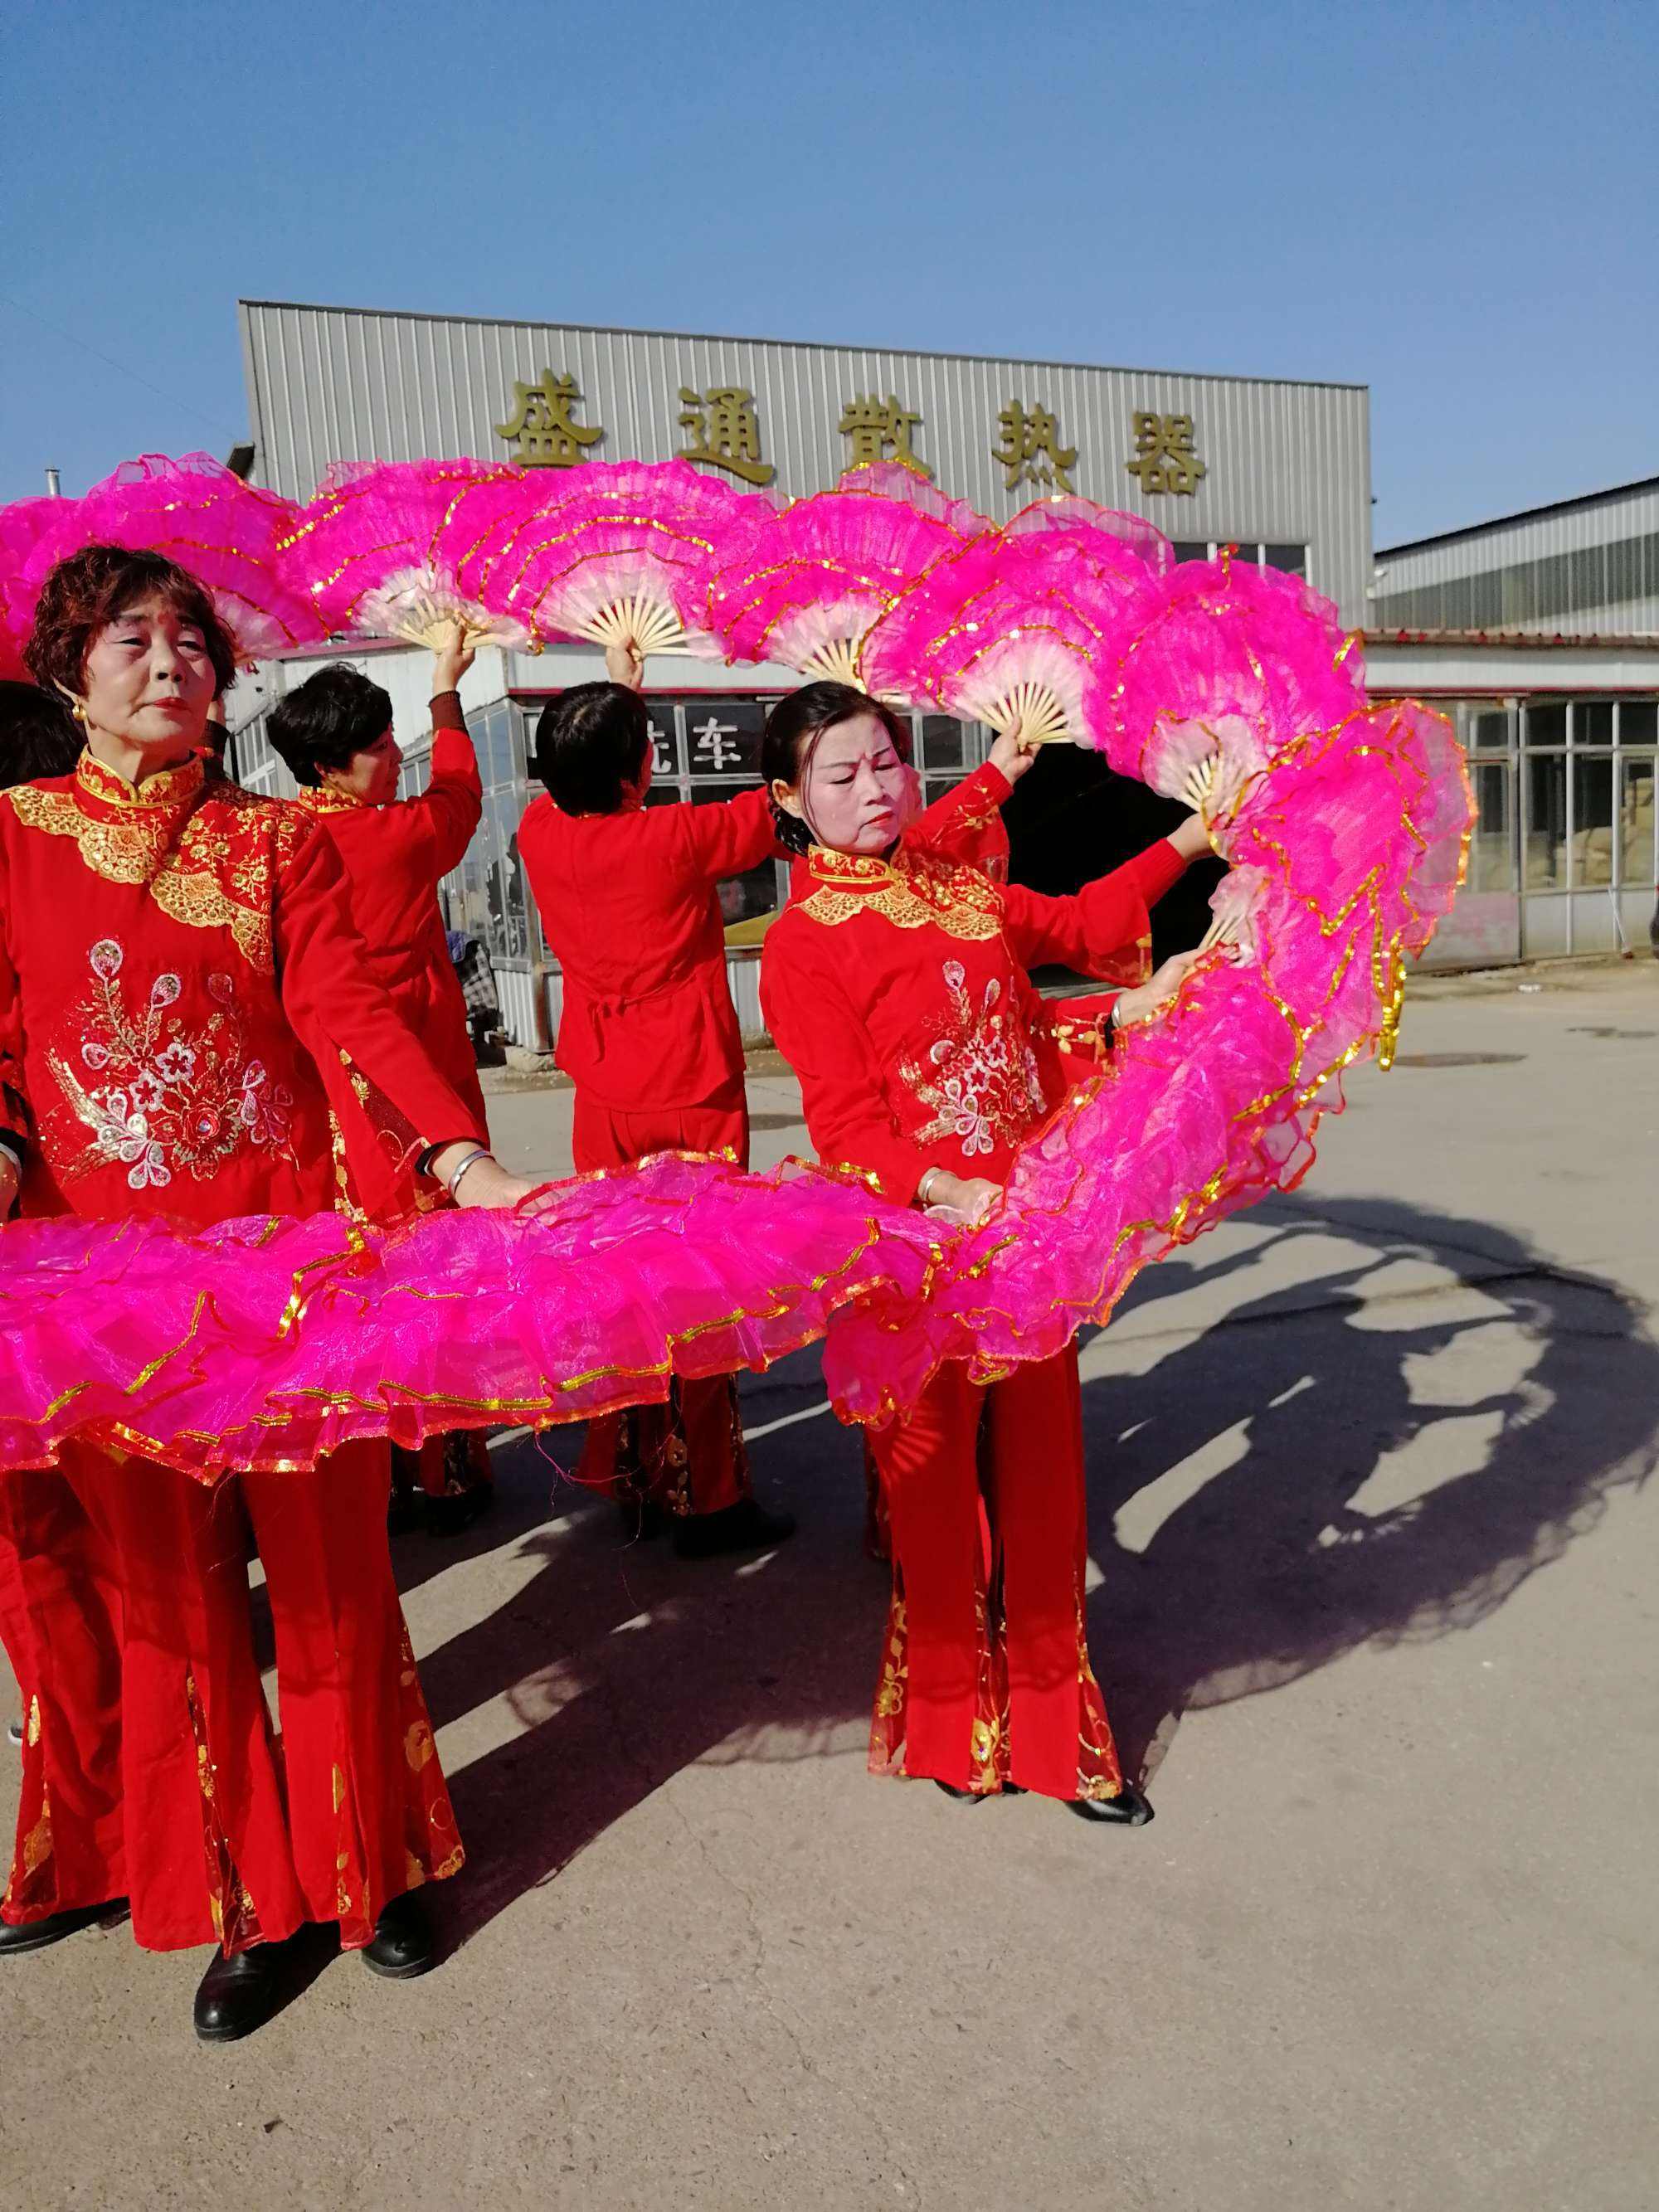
{"type": "Point", "coordinates": [1164, 459]}
{"type": "Point", "coordinates": [879, 427]}
{"type": "Point", "coordinates": [1029, 449]}
{"type": "Point", "coordinates": [541, 423]}
{"type": "Point", "coordinates": [726, 431]}
{"type": "Point", "coordinates": [717, 748]}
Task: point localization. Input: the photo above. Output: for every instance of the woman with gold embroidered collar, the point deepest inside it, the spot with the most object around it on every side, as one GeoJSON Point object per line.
{"type": "Point", "coordinates": [895, 983]}
{"type": "Point", "coordinates": [186, 1018]}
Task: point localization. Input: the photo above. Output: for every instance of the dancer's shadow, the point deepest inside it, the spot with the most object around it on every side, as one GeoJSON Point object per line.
{"type": "Point", "coordinates": [1237, 1549]}
{"type": "Point", "coordinates": [1351, 1460]}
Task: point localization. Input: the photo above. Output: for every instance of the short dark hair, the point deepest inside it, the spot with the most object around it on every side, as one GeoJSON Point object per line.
{"type": "Point", "coordinates": [322, 722]}
{"type": "Point", "coordinates": [590, 742]}
{"type": "Point", "coordinates": [92, 588]}
{"type": "Point", "coordinates": [39, 735]}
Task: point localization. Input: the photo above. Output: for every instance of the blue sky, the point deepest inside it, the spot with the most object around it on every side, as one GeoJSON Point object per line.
{"type": "Point", "coordinates": [1454, 204]}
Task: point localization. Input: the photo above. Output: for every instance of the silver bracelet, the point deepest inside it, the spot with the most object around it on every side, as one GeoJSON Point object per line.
{"type": "Point", "coordinates": [923, 1187]}
{"type": "Point", "coordinates": [478, 1152]}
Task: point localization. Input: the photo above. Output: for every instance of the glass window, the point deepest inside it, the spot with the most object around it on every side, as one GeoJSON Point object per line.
{"type": "Point", "coordinates": [1547, 821]}
{"type": "Point", "coordinates": [1491, 849]}
{"type": "Point", "coordinates": [1546, 723]}
{"type": "Point", "coordinates": [1636, 720]}
{"type": "Point", "coordinates": [1292, 559]}
{"type": "Point", "coordinates": [1592, 820]}
{"type": "Point", "coordinates": [664, 793]}
{"type": "Point", "coordinates": [1592, 721]}
{"type": "Point", "coordinates": [943, 742]}
{"type": "Point", "coordinates": [1490, 726]}
{"type": "Point", "coordinates": [665, 740]}
{"type": "Point", "coordinates": [1248, 553]}
{"type": "Point", "coordinates": [1191, 549]}
{"type": "Point", "coordinates": [1638, 866]}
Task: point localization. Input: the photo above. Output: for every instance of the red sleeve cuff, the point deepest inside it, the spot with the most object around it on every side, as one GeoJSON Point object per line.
{"type": "Point", "coordinates": [447, 711]}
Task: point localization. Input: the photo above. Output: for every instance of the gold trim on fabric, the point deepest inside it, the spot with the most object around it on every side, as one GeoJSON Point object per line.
{"type": "Point", "coordinates": [917, 892]}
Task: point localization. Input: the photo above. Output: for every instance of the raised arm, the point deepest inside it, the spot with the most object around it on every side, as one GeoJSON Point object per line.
{"type": "Point", "coordinates": [1105, 929]}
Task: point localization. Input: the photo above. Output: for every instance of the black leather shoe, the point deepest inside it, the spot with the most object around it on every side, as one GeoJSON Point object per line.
{"type": "Point", "coordinates": [236, 1996]}
{"type": "Point", "coordinates": [35, 1935]}
{"type": "Point", "coordinates": [450, 1511]}
{"type": "Point", "coordinates": [1128, 1809]}
{"type": "Point", "coordinates": [404, 1944]}
{"type": "Point", "coordinates": [960, 1797]}
{"type": "Point", "coordinates": [745, 1527]}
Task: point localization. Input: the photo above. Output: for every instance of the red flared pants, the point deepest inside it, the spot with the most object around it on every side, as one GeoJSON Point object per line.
{"type": "Point", "coordinates": [986, 1677]}
{"type": "Point", "coordinates": [149, 1767]}
{"type": "Point", "coordinates": [687, 1456]}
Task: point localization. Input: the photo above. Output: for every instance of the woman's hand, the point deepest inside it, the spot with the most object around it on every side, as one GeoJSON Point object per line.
{"type": "Point", "coordinates": [486, 1181]}
{"type": "Point", "coordinates": [451, 658]}
{"type": "Point", "coordinates": [1131, 1007]}
{"type": "Point", "coordinates": [1192, 839]}
{"type": "Point", "coordinates": [963, 1198]}
{"type": "Point", "coordinates": [1008, 754]}
{"type": "Point", "coordinates": [624, 664]}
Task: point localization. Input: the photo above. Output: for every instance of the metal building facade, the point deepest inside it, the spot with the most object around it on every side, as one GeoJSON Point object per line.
{"type": "Point", "coordinates": [1283, 464]}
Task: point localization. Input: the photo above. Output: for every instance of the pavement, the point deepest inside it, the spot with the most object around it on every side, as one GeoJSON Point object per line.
{"type": "Point", "coordinates": [1374, 1564]}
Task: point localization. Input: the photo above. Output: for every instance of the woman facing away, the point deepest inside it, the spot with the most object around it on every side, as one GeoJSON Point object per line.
{"type": "Point", "coordinates": [895, 983]}
{"type": "Point", "coordinates": [189, 1026]}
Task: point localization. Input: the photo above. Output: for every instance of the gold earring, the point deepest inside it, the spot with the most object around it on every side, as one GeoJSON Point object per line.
{"type": "Point", "coordinates": [78, 710]}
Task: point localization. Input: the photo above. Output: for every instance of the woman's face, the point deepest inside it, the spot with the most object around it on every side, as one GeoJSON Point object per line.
{"type": "Point", "coordinates": [149, 681]}
{"type": "Point", "coordinates": [372, 774]}
{"type": "Point", "coordinates": [857, 794]}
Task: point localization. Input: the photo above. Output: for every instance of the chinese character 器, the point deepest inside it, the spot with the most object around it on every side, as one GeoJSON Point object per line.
{"type": "Point", "coordinates": [725, 431]}
{"type": "Point", "coordinates": [541, 423]}
{"type": "Point", "coordinates": [1030, 451]}
{"type": "Point", "coordinates": [1164, 459]}
{"type": "Point", "coordinates": [878, 427]}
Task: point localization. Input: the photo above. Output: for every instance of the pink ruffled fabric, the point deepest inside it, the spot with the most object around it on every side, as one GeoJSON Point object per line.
{"type": "Point", "coordinates": [266, 1342]}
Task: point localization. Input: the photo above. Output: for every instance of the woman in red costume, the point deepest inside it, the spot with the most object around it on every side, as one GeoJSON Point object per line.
{"type": "Point", "coordinates": [334, 731]}
{"type": "Point", "coordinates": [895, 983]}
{"type": "Point", "coordinates": [188, 1026]}
{"type": "Point", "coordinates": [626, 896]}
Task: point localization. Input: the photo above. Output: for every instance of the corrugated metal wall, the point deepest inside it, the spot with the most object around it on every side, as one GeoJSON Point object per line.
{"type": "Point", "coordinates": [1287, 463]}
{"type": "Point", "coordinates": [1591, 569]}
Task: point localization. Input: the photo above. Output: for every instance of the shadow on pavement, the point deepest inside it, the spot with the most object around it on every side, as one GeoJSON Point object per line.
{"type": "Point", "coordinates": [1254, 1562]}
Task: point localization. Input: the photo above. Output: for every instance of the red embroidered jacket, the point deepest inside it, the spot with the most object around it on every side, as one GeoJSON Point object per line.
{"type": "Point", "coordinates": [184, 1000]}
{"type": "Point", "coordinates": [395, 856]}
{"type": "Point", "coordinates": [898, 991]}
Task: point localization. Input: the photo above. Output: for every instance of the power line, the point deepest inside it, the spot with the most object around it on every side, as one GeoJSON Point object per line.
{"type": "Point", "coordinates": [121, 368]}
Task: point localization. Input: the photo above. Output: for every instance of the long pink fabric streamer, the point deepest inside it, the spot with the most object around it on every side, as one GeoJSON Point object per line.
{"type": "Point", "coordinates": [261, 1343]}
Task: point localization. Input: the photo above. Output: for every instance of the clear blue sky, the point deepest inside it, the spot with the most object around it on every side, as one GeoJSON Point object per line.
{"type": "Point", "coordinates": [1454, 203]}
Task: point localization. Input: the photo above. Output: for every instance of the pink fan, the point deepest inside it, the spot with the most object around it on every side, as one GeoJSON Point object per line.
{"type": "Point", "coordinates": [807, 586]}
{"type": "Point", "coordinates": [22, 525]}
{"type": "Point", "coordinates": [897, 480]}
{"type": "Point", "coordinates": [1005, 630]}
{"type": "Point", "coordinates": [620, 552]}
{"type": "Point", "coordinates": [1233, 659]}
{"type": "Point", "coordinates": [1069, 511]}
{"type": "Point", "coordinates": [379, 547]}
{"type": "Point", "coordinates": [201, 514]}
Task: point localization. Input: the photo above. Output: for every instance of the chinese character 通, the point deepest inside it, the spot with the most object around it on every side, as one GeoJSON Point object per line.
{"type": "Point", "coordinates": [723, 424]}
{"type": "Point", "coordinates": [547, 437]}
{"type": "Point", "coordinates": [1029, 450]}
{"type": "Point", "coordinates": [1164, 459]}
{"type": "Point", "coordinates": [662, 751]}
{"type": "Point", "coordinates": [717, 748]}
{"type": "Point", "coordinates": [878, 426]}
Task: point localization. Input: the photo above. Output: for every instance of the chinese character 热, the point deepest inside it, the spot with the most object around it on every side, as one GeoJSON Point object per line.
{"type": "Point", "coordinates": [717, 748]}
{"type": "Point", "coordinates": [1030, 451]}
{"type": "Point", "coordinates": [725, 432]}
{"type": "Point", "coordinates": [662, 751]}
{"type": "Point", "coordinates": [879, 427]}
{"type": "Point", "coordinates": [547, 437]}
{"type": "Point", "coordinates": [1164, 459]}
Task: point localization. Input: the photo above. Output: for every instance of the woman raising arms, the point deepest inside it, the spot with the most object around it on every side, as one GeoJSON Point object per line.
{"type": "Point", "coordinates": [894, 983]}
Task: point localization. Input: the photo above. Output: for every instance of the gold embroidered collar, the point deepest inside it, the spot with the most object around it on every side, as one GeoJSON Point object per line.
{"type": "Point", "coordinates": [913, 890]}
{"type": "Point", "coordinates": [169, 791]}
{"type": "Point", "coordinates": [324, 798]}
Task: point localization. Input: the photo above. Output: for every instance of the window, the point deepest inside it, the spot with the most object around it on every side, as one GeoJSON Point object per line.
{"type": "Point", "coordinates": [1637, 864]}
{"type": "Point", "coordinates": [1491, 849]}
{"type": "Point", "coordinates": [1547, 821]}
{"type": "Point", "coordinates": [1592, 820]}
{"type": "Point", "coordinates": [1292, 559]}
{"type": "Point", "coordinates": [1592, 722]}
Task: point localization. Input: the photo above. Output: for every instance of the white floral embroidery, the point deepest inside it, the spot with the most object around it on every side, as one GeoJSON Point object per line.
{"type": "Point", "coordinates": [981, 1077]}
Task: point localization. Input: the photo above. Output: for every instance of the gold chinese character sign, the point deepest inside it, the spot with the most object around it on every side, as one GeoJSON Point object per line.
{"type": "Point", "coordinates": [547, 438]}
{"type": "Point", "coordinates": [1164, 459]}
{"type": "Point", "coordinates": [725, 432]}
{"type": "Point", "coordinates": [1030, 450]}
{"type": "Point", "coordinates": [880, 428]}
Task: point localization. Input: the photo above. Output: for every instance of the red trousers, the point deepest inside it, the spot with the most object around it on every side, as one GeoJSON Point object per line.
{"type": "Point", "coordinates": [985, 1678]}
{"type": "Point", "coordinates": [686, 1456]}
{"type": "Point", "coordinates": [149, 1767]}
